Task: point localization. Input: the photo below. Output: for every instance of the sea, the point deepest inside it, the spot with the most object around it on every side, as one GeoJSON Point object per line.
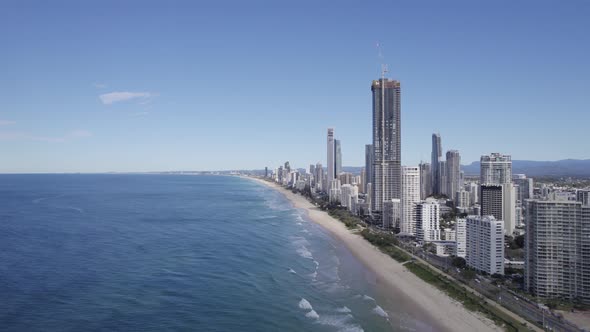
{"type": "Point", "coordinates": [147, 252]}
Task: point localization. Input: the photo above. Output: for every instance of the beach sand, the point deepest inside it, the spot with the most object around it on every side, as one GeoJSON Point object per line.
{"type": "Point", "coordinates": [436, 308]}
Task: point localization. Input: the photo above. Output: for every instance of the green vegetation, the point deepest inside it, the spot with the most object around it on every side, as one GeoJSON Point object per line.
{"type": "Point", "coordinates": [386, 242]}
{"type": "Point", "coordinates": [566, 304]}
{"type": "Point", "coordinates": [469, 300]}
{"type": "Point", "coordinates": [351, 221]}
{"type": "Point", "coordinates": [459, 262]}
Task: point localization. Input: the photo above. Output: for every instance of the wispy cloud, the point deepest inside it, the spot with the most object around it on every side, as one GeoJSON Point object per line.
{"type": "Point", "coordinates": [114, 97]}
{"type": "Point", "coordinates": [6, 122]}
{"type": "Point", "coordinates": [23, 136]}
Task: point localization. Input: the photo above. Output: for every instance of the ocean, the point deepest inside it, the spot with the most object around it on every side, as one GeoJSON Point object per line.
{"type": "Point", "coordinates": [130, 252]}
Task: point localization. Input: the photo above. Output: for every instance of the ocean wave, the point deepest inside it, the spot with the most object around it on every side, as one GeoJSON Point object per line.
{"type": "Point", "coordinates": [304, 252]}
{"type": "Point", "coordinates": [368, 298]}
{"type": "Point", "coordinates": [351, 328]}
{"type": "Point", "coordinates": [344, 309]}
{"type": "Point", "coordinates": [292, 271]}
{"type": "Point", "coordinates": [312, 314]}
{"type": "Point", "coordinates": [314, 275]}
{"type": "Point", "coordinates": [305, 305]}
{"type": "Point", "coordinates": [316, 263]}
{"type": "Point", "coordinates": [342, 322]}
{"type": "Point", "coordinates": [379, 311]}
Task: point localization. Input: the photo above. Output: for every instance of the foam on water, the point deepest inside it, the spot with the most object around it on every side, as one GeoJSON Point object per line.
{"type": "Point", "coordinates": [305, 305]}
{"type": "Point", "coordinates": [341, 322]}
{"type": "Point", "coordinates": [343, 309]}
{"type": "Point", "coordinates": [292, 271]}
{"type": "Point", "coordinates": [304, 252]}
{"type": "Point", "coordinates": [368, 298]}
{"type": "Point", "coordinates": [379, 311]}
{"type": "Point", "coordinates": [312, 314]}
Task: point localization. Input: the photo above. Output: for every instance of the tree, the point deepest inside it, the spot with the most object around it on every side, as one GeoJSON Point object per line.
{"type": "Point", "coordinates": [459, 262]}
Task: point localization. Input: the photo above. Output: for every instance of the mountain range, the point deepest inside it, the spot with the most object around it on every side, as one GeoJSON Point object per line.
{"type": "Point", "coordinates": [559, 168]}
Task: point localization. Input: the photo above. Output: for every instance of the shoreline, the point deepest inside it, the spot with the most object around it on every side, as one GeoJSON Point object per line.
{"type": "Point", "coordinates": [437, 309]}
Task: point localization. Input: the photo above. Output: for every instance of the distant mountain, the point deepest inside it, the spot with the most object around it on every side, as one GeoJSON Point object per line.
{"type": "Point", "coordinates": [566, 167]}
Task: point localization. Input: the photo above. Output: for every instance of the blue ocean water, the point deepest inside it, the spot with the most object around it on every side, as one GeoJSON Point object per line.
{"type": "Point", "coordinates": [173, 252]}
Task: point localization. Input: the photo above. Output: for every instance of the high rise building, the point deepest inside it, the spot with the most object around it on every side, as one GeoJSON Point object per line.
{"type": "Point", "coordinates": [368, 165]}
{"type": "Point", "coordinates": [461, 238]}
{"type": "Point", "coordinates": [453, 173]}
{"type": "Point", "coordinates": [425, 180]}
{"type": "Point", "coordinates": [392, 213]}
{"type": "Point", "coordinates": [496, 169]}
{"type": "Point", "coordinates": [435, 159]}
{"type": "Point", "coordinates": [363, 181]}
{"type": "Point", "coordinates": [583, 196]}
{"type": "Point", "coordinates": [427, 226]}
{"type": "Point", "coordinates": [386, 142]}
{"type": "Point", "coordinates": [410, 196]}
{"type": "Point", "coordinates": [348, 194]}
{"type": "Point", "coordinates": [319, 176]}
{"type": "Point", "coordinates": [331, 168]}
{"type": "Point", "coordinates": [473, 193]}
{"type": "Point", "coordinates": [335, 193]}
{"type": "Point", "coordinates": [338, 158]}
{"type": "Point", "coordinates": [462, 199]}
{"type": "Point", "coordinates": [525, 188]}
{"type": "Point", "coordinates": [442, 178]}
{"type": "Point", "coordinates": [492, 201]}
{"type": "Point", "coordinates": [485, 244]}
{"type": "Point", "coordinates": [557, 250]}
{"type": "Point", "coordinates": [345, 178]}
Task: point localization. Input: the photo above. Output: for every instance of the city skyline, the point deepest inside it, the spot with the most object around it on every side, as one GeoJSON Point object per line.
{"type": "Point", "coordinates": [130, 95]}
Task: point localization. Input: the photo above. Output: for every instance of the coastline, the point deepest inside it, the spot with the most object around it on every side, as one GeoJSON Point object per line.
{"type": "Point", "coordinates": [392, 277]}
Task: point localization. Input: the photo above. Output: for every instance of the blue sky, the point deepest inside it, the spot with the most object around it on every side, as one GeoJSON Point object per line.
{"type": "Point", "coordinates": [176, 85]}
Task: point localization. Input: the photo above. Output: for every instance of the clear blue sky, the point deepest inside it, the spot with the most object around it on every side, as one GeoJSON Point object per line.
{"type": "Point", "coordinates": [174, 85]}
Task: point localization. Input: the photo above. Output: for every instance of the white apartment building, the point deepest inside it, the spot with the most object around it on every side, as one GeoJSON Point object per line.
{"type": "Point", "coordinates": [461, 238]}
{"type": "Point", "coordinates": [410, 196]}
{"type": "Point", "coordinates": [428, 221]}
{"type": "Point", "coordinates": [485, 244]}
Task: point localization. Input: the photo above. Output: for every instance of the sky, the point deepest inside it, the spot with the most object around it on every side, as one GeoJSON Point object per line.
{"type": "Point", "coordinates": [99, 86]}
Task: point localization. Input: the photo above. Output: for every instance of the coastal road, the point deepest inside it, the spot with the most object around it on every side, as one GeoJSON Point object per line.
{"type": "Point", "coordinates": [493, 303]}
{"type": "Point", "coordinates": [504, 298]}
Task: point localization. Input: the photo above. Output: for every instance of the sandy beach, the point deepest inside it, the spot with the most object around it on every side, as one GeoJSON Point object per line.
{"type": "Point", "coordinates": [395, 280]}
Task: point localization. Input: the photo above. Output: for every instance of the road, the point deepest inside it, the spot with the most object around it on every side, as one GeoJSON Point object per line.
{"type": "Point", "coordinates": [499, 294]}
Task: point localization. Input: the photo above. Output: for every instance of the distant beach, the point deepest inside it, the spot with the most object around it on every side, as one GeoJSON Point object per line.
{"type": "Point", "coordinates": [396, 281]}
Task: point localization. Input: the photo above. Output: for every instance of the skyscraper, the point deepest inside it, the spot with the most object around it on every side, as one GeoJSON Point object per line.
{"type": "Point", "coordinates": [410, 196]}
{"type": "Point", "coordinates": [557, 250]}
{"type": "Point", "coordinates": [425, 180]}
{"type": "Point", "coordinates": [319, 177]}
{"type": "Point", "coordinates": [492, 201]}
{"type": "Point", "coordinates": [496, 169]}
{"type": "Point", "coordinates": [338, 158]}
{"type": "Point", "coordinates": [435, 159]}
{"type": "Point", "coordinates": [453, 173]}
{"type": "Point", "coordinates": [386, 142]}
{"type": "Point", "coordinates": [331, 162]}
{"type": "Point", "coordinates": [442, 177]}
{"type": "Point", "coordinates": [368, 165]}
